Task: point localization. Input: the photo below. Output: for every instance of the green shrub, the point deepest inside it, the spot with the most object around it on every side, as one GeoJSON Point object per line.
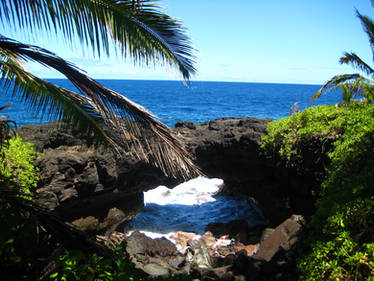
{"type": "Point", "coordinates": [341, 139]}
{"type": "Point", "coordinates": [75, 265]}
{"type": "Point", "coordinates": [16, 166]}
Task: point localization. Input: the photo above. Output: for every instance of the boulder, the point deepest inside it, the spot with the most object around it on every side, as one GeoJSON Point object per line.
{"type": "Point", "coordinates": [139, 243]}
{"type": "Point", "coordinates": [283, 238]}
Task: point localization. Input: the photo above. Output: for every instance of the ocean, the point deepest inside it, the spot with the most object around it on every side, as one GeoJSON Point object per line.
{"type": "Point", "coordinates": [172, 101]}
{"type": "Point", "coordinates": [192, 205]}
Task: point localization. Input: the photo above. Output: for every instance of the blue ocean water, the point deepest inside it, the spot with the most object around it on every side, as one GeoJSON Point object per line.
{"type": "Point", "coordinates": [172, 101]}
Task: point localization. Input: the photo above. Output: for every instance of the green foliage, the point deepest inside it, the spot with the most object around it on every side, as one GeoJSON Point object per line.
{"type": "Point", "coordinates": [343, 137]}
{"type": "Point", "coordinates": [20, 240]}
{"type": "Point", "coordinates": [16, 166]}
{"type": "Point", "coordinates": [346, 250]}
{"type": "Point", "coordinates": [75, 265]}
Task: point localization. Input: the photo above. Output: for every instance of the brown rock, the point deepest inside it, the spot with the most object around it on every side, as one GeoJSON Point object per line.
{"type": "Point", "coordinates": [181, 237]}
{"type": "Point", "coordinates": [208, 239]}
{"type": "Point", "coordinates": [87, 224]}
{"type": "Point", "coordinates": [249, 249]}
{"type": "Point", "coordinates": [283, 238]}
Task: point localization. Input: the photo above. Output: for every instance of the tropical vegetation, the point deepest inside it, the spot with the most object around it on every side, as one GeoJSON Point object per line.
{"type": "Point", "coordinates": [135, 29]}
{"type": "Point", "coordinates": [355, 85]}
{"type": "Point", "coordinates": [339, 243]}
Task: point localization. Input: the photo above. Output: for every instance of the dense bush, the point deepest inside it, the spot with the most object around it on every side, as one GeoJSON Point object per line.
{"type": "Point", "coordinates": [341, 232]}
{"type": "Point", "coordinates": [16, 165]}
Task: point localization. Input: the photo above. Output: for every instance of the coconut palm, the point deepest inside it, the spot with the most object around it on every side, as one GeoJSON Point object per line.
{"type": "Point", "coordinates": [353, 85]}
{"type": "Point", "coordinates": [137, 29]}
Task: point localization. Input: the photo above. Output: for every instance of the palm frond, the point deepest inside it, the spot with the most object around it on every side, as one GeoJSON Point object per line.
{"type": "Point", "coordinates": [334, 83]}
{"type": "Point", "coordinates": [356, 62]}
{"type": "Point", "coordinates": [143, 32]}
{"type": "Point", "coordinates": [54, 102]}
{"type": "Point", "coordinates": [150, 139]}
{"type": "Point", "coordinates": [368, 26]}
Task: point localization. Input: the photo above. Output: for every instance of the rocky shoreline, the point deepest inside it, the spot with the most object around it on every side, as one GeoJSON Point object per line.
{"type": "Point", "coordinates": [97, 191]}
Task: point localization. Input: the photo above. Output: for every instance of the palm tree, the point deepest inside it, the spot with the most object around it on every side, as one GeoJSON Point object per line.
{"type": "Point", "coordinates": [353, 85]}
{"type": "Point", "coordinates": [139, 30]}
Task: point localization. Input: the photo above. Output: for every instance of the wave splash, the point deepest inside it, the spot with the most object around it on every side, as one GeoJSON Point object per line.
{"type": "Point", "coordinates": [190, 207]}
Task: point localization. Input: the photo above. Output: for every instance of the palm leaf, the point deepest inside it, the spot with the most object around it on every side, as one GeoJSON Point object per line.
{"type": "Point", "coordinates": [356, 62]}
{"type": "Point", "coordinates": [128, 122]}
{"type": "Point", "coordinates": [56, 102]}
{"type": "Point", "coordinates": [350, 84]}
{"type": "Point", "coordinates": [144, 33]}
{"type": "Point", "coordinates": [368, 26]}
{"type": "Point", "coordinates": [334, 83]}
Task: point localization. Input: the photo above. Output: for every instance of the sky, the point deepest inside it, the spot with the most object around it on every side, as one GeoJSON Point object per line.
{"type": "Point", "coordinates": [289, 41]}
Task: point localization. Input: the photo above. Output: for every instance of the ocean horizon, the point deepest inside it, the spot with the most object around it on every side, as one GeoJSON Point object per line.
{"type": "Point", "coordinates": [201, 101]}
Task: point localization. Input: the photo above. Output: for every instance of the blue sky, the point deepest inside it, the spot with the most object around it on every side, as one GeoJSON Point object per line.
{"type": "Point", "coordinates": [241, 40]}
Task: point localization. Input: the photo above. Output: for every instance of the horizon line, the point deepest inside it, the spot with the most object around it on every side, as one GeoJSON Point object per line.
{"type": "Point", "coordinates": [192, 81]}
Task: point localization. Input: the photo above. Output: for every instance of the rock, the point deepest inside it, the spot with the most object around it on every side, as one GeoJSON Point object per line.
{"type": "Point", "coordinates": [208, 239]}
{"type": "Point", "coordinates": [237, 229]}
{"type": "Point", "coordinates": [181, 237]}
{"type": "Point", "coordinates": [138, 243]}
{"type": "Point", "coordinates": [176, 262]}
{"type": "Point", "coordinates": [229, 148]}
{"type": "Point", "coordinates": [113, 219]}
{"type": "Point", "coordinates": [249, 249]}
{"type": "Point", "coordinates": [266, 233]}
{"type": "Point", "coordinates": [186, 124]}
{"type": "Point", "coordinates": [87, 224]}
{"type": "Point", "coordinates": [198, 255]}
{"type": "Point", "coordinates": [283, 238]}
{"type": "Point", "coordinates": [156, 270]}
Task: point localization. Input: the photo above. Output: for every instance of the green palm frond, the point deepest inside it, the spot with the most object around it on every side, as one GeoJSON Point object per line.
{"type": "Point", "coordinates": [143, 32]}
{"type": "Point", "coordinates": [149, 138]}
{"type": "Point", "coordinates": [350, 84]}
{"type": "Point", "coordinates": [356, 62]}
{"type": "Point", "coordinates": [368, 26]}
{"type": "Point", "coordinates": [333, 84]}
{"type": "Point", "coordinates": [54, 102]}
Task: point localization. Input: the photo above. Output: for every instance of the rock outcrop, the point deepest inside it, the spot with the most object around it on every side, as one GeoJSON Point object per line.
{"type": "Point", "coordinates": [78, 180]}
{"type": "Point", "coordinates": [88, 186]}
{"type": "Point", "coordinates": [211, 258]}
{"type": "Point", "coordinates": [229, 148]}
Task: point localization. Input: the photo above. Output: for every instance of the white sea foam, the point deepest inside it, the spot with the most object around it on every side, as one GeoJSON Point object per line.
{"type": "Point", "coordinates": [193, 192]}
{"type": "Point", "coordinates": [189, 207]}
